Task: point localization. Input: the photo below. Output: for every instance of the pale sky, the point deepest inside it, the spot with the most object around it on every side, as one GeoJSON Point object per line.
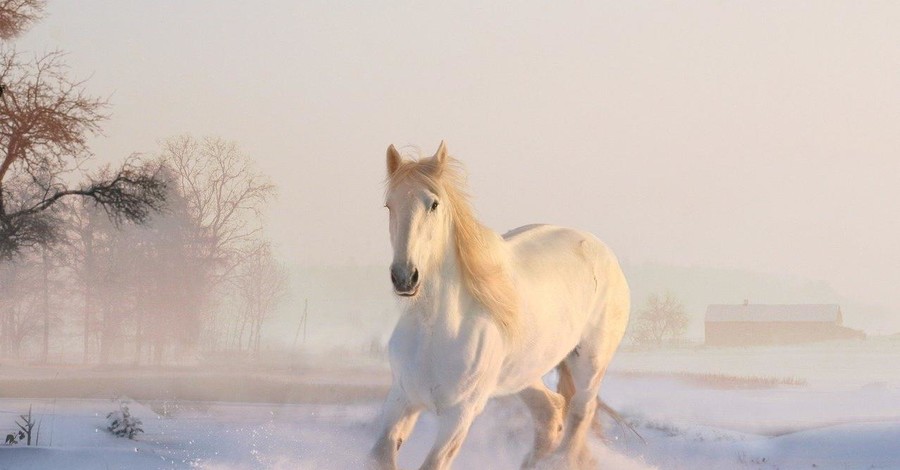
{"type": "Point", "coordinates": [752, 135]}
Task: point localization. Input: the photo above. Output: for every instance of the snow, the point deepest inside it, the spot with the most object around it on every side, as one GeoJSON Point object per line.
{"type": "Point", "coordinates": [246, 436]}
{"type": "Point", "coordinates": [827, 423]}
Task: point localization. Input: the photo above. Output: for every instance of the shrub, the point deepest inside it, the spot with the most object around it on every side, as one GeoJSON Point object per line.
{"type": "Point", "coordinates": [27, 426]}
{"type": "Point", "coordinates": [122, 423]}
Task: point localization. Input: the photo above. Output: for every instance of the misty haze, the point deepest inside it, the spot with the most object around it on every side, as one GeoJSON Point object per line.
{"type": "Point", "coordinates": [625, 235]}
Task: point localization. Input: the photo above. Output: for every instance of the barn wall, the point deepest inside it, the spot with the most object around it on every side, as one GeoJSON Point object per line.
{"type": "Point", "coordinates": [762, 333]}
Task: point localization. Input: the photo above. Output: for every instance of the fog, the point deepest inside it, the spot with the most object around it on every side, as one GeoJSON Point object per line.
{"type": "Point", "coordinates": [725, 151]}
{"type": "Point", "coordinates": [757, 137]}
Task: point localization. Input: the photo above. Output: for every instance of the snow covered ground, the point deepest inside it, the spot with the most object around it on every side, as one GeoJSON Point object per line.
{"type": "Point", "coordinates": [687, 423]}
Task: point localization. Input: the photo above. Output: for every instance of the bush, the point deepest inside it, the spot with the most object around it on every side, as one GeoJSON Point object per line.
{"type": "Point", "coordinates": [122, 423]}
{"type": "Point", "coordinates": [27, 425]}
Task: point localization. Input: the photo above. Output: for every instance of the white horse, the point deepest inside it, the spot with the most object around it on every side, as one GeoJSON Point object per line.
{"type": "Point", "coordinates": [489, 316]}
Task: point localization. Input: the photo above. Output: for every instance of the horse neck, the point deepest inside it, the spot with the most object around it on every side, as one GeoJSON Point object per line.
{"type": "Point", "coordinates": [444, 292]}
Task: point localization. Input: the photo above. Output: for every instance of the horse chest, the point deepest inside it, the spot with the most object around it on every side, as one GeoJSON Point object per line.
{"type": "Point", "coordinates": [437, 368]}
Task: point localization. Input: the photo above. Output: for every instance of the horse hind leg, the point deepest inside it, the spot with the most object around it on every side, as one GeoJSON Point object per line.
{"type": "Point", "coordinates": [585, 370]}
{"type": "Point", "coordinates": [547, 408]}
{"type": "Point", "coordinates": [566, 388]}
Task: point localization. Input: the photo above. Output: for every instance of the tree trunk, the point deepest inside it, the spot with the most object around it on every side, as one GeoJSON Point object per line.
{"type": "Point", "coordinates": [4, 332]}
{"type": "Point", "coordinates": [87, 236]}
{"type": "Point", "coordinates": [138, 337]}
{"type": "Point", "coordinates": [240, 338]}
{"type": "Point", "coordinates": [256, 342]}
{"type": "Point", "coordinates": [158, 353]}
{"type": "Point", "coordinates": [46, 304]}
{"type": "Point", "coordinates": [106, 334]}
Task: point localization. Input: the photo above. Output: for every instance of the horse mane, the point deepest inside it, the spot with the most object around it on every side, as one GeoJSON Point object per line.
{"type": "Point", "coordinates": [484, 272]}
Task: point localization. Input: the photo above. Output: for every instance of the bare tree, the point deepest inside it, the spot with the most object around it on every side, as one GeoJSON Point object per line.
{"type": "Point", "coordinates": [663, 318]}
{"type": "Point", "coordinates": [173, 291]}
{"type": "Point", "coordinates": [32, 287]}
{"type": "Point", "coordinates": [83, 262]}
{"type": "Point", "coordinates": [18, 15]}
{"type": "Point", "coordinates": [45, 121]}
{"type": "Point", "coordinates": [47, 288]}
{"type": "Point", "coordinates": [143, 286]}
{"type": "Point", "coordinates": [225, 196]}
{"type": "Point", "coordinates": [115, 301]}
{"type": "Point", "coordinates": [262, 284]}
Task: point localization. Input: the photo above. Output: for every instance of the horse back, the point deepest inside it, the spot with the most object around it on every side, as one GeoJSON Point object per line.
{"type": "Point", "coordinates": [548, 246]}
{"type": "Point", "coordinates": [561, 269]}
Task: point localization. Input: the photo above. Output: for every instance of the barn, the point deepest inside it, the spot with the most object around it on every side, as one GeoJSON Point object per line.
{"type": "Point", "coordinates": [760, 324]}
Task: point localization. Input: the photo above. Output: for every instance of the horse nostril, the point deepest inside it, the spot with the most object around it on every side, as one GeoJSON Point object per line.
{"type": "Point", "coordinates": [393, 277]}
{"type": "Point", "coordinates": [415, 277]}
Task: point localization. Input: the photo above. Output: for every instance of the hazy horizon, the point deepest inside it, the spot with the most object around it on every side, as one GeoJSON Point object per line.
{"type": "Point", "coordinates": [759, 137]}
{"type": "Point", "coordinates": [161, 306]}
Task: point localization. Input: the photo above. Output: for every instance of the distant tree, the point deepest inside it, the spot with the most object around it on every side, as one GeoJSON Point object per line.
{"type": "Point", "coordinates": [154, 287]}
{"type": "Point", "coordinates": [53, 287]}
{"type": "Point", "coordinates": [225, 197]}
{"type": "Point", "coordinates": [84, 235]}
{"type": "Point", "coordinates": [261, 283]}
{"type": "Point", "coordinates": [18, 15]}
{"type": "Point", "coordinates": [142, 284]}
{"type": "Point", "coordinates": [115, 274]}
{"type": "Point", "coordinates": [45, 121]}
{"type": "Point", "coordinates": [29, 290]}
{"type": "Point", "coordinates": [662, 319]}
{"type": "Point", "coordinates": [19, 304]}
{"type": "Point", "coordinates": [172, 289]}
{"type": "Point", "coordinates": [150, 285]}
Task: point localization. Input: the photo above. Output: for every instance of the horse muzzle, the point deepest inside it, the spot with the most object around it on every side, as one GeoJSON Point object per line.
{"type": "Point", "coordinates": [405, 278]}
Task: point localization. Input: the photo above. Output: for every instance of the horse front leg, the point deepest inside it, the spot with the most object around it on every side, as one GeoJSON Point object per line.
{"type": "Point", "coordinates": [397, 420]}
{"type": "Point", "coordinates": [452, 429]}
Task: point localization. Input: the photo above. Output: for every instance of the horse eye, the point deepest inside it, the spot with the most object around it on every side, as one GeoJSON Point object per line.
{"type": "Point", "coordinates": [434, 206]}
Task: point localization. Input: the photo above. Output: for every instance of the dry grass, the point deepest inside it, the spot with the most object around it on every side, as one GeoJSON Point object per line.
{"type": "Point", "coordinates": [721, 381]}
{"type": "Point", "coordinates": [258, 388]}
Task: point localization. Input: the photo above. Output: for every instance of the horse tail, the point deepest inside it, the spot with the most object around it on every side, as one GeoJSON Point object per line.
{"type": "Point", "coordinates": [566, 384]}
{"type": "Point", "coordinates": [566, 387]}
{"type": "Point", "coordinates": [622, 422]}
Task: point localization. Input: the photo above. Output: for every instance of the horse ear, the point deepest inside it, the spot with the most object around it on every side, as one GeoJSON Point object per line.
{"type": "Point", "coordinates": [441, 155]}
{"type": "Point", "coordinates": [393, 160]}
{"type": "Point", "coordinates": [439, 161]}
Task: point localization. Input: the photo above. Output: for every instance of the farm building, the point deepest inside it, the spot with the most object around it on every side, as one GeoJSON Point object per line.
{"type": "Point", "coordinates": [758, 324]}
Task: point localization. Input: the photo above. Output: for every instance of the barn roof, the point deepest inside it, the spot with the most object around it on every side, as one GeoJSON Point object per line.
{"type": "Point", "coordinates": [774, 313]}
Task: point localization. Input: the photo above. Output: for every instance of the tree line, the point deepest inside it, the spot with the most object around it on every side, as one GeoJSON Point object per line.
{"type": "Point", "coordinates": [155, 258]}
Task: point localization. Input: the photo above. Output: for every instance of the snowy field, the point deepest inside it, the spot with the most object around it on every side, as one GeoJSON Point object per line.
{"type": "Point", "coordinates": [838, 407]}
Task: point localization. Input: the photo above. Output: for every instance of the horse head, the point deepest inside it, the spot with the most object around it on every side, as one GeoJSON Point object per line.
{"type": "Point", "coordinates": [419, 218]}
